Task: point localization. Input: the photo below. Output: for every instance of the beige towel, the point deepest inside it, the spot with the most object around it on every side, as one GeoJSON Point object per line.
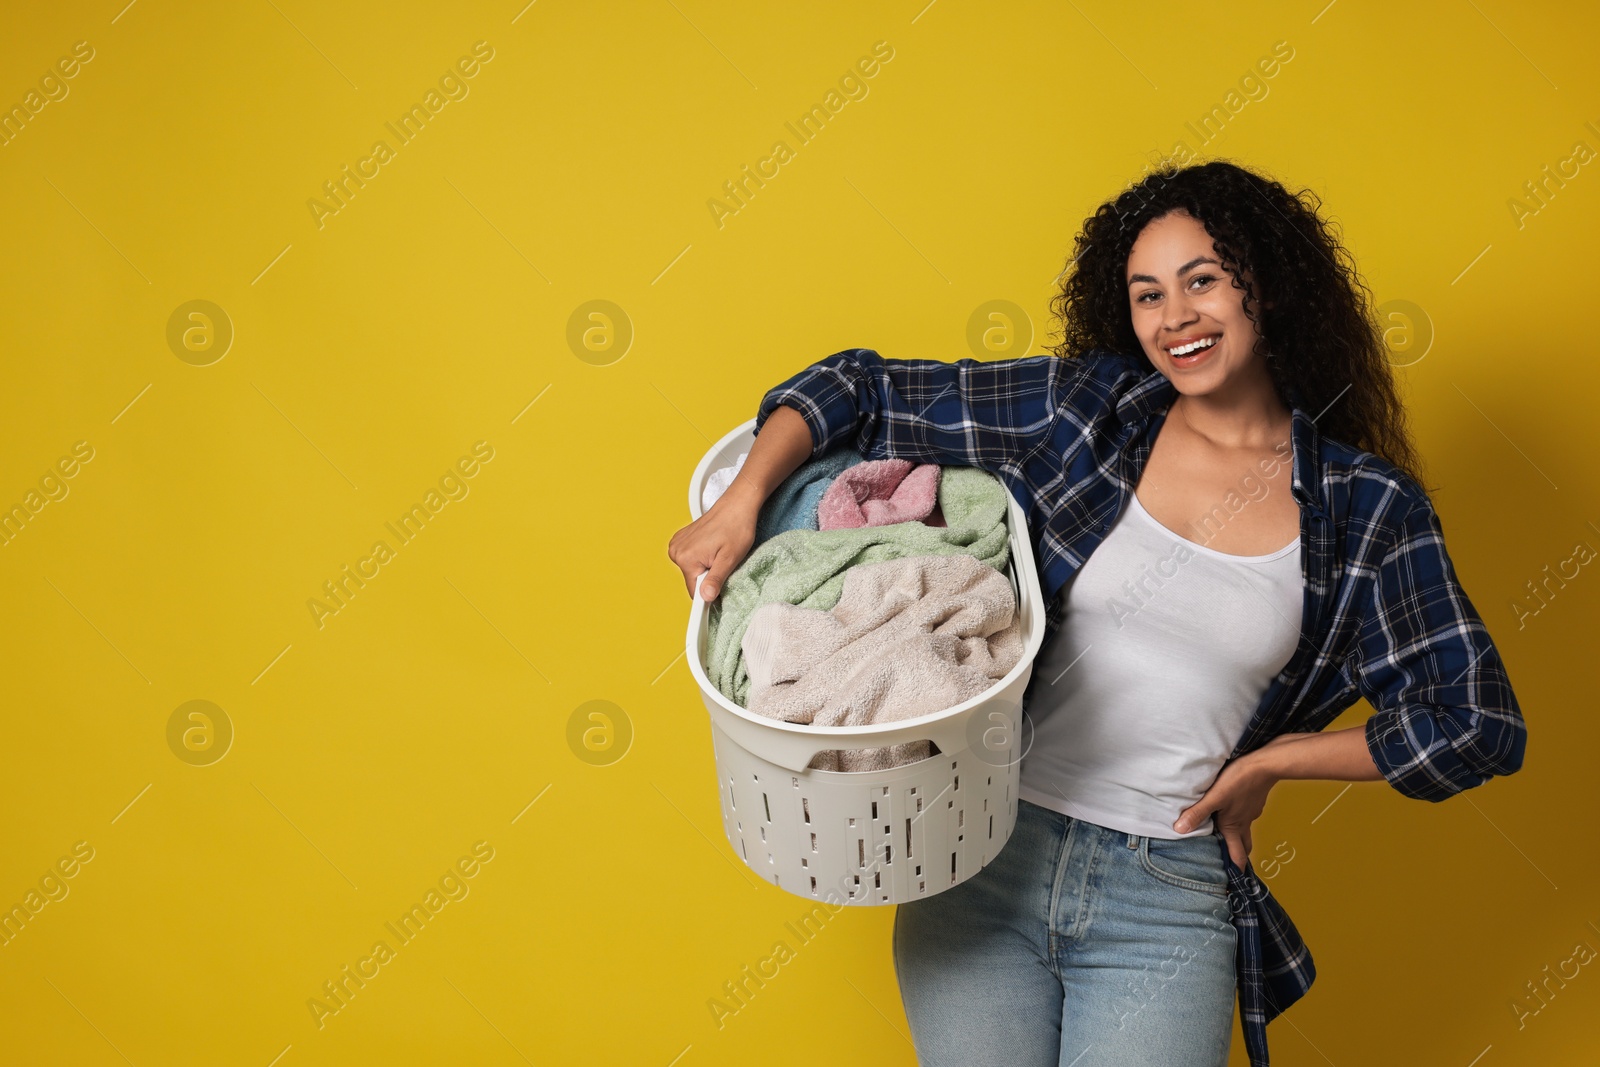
{"type": "Point", "coordinates": [908, 637]}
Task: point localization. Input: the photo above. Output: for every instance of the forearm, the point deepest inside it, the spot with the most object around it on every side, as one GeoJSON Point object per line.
{"type": "Point", "coordinates": [1340, 755]}
{"type": "Point", "coordinates": [783, 444]}
{"type": "Point", "coordinates": [971, 413]}
{"type": "Point", "coordinates": [1240, 791]}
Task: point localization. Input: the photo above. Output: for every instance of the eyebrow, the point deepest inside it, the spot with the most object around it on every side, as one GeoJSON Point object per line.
{"type": "Point", "coordinates": [1185, 269]}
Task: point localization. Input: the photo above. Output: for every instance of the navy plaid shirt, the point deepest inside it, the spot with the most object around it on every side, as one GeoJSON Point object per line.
{"type": "Point", "coordinates": [1384, 616]}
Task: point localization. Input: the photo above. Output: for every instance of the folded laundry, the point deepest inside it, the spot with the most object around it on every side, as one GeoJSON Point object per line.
{"type": "Point", "coordinates": [793, 504]}
{"type": "Point", "coordinates": [717, 482]}
{"type": "Point", "coordinates": [807, 567]}
{"type": "Point", "coordinates": [908, 637]}
{"type": "Point", "coordinates": [879, 492]}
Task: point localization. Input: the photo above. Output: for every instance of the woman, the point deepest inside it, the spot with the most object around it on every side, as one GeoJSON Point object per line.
{"type": "Point", "coordinates": [1236, 546]}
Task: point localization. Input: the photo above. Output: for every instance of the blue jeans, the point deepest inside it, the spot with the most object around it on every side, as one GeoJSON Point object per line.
{"type": "Point", "coordinates": [1077, 946]}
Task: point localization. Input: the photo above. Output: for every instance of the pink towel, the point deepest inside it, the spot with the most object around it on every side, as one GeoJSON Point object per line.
{"type": "Point", "coordinates": [879, 492]}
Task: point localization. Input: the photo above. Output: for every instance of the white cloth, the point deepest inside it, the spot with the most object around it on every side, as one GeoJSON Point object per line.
{"type": "Point", "coordinates": [1165, 649]}
{"type": "Point", "coordinates": [717, 482]}
{"type": "Point", "coordinates": [908, 637]}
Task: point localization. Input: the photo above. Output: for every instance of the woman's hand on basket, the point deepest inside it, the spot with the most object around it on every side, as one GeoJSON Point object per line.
{"type": "Point", "coordinates": [718, 540]}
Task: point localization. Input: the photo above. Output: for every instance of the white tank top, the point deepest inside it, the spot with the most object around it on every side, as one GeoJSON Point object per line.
{"type": "Point", "coordinates": [1163, 654]}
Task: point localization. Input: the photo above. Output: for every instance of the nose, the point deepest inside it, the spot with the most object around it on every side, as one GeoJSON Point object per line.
{"type": "Point", "coordinates": [1180, 312]}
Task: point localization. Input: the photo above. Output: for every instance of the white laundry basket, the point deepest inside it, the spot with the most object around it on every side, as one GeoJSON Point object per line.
{"type": "Point", "coordinates": [876, 837]}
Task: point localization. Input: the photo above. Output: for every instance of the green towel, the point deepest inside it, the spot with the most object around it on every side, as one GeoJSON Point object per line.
{"type": "Point", "coordinates": [806, 567]}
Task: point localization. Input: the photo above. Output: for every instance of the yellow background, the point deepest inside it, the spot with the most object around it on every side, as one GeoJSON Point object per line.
{"type": "Point", "coordinates": [431, 711]}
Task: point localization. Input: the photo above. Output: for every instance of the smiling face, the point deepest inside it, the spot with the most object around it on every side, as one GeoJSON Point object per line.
{"type": "Point", "coordinates": [1179, 295]}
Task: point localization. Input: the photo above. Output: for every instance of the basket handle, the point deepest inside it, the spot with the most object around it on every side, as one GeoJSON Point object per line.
{"type": "Point", "coordinates": [793, 745]}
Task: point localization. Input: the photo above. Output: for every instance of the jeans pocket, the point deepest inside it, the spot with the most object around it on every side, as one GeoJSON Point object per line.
{"type": "Point", "coordinates": [1186, 862]}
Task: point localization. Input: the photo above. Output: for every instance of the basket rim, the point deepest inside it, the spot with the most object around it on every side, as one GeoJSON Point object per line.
{"type": "Point", "coordinates": [1028, 586]}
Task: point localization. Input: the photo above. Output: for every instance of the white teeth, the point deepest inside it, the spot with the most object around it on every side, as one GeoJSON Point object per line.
{"type": "Point", "coordinates": [1183, 350]}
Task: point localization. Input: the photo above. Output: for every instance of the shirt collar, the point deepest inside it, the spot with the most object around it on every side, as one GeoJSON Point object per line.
{"type": "Point", "coordinates": [1307, 444]}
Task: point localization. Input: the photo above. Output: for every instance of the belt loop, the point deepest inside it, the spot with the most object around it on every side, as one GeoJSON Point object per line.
{"type": "Point", "coordinates": [1133, 840]}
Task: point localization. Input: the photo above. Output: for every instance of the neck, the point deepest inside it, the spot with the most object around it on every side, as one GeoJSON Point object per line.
{"type": "Point", "coordinates": [1246, 415]}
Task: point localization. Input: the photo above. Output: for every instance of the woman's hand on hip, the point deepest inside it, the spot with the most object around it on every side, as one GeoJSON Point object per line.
{"type": "Point", "coordinates": [1235, 800]}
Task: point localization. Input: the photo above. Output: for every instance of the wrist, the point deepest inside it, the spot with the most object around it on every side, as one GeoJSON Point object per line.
{"type": "Point", "coordinates": [744, 494]}
{"type": "Point", "coordinates": [1265, 765]}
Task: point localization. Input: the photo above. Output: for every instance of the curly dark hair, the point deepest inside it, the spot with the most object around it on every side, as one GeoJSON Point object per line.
{"type": "Point", "coordinates": [1327, 346]}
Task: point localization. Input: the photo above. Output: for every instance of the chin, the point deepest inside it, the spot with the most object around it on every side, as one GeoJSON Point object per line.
{"type": "Point", "coordinates": [1193, 385]}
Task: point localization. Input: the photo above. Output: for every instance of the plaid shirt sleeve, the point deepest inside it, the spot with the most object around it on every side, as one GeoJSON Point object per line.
{"type": "Point", "coordinates": [1446, 719]}
{"type": "Point", "coordinates": [970, 412]}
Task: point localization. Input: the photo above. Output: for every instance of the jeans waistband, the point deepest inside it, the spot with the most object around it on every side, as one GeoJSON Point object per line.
{"type": "Point", "coordinates": [1129, 840]}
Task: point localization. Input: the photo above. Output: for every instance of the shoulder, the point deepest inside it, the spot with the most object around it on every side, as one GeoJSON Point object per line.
{"type": "Point", "coordinates": [1104, 365]}
{"type": "Point", "coordinates": [1094, 381]}
{"type": "Point", "coordinates": [1097, 366]}
{"type": "Point", "coordinates": [1375, 499]}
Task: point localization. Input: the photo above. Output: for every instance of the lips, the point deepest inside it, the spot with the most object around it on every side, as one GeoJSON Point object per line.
{"type": "Point", "coordinates": [1197, 355]}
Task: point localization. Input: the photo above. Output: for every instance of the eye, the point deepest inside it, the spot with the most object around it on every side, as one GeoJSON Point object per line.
{"type": "Point", "coordinates": [1202, 278]}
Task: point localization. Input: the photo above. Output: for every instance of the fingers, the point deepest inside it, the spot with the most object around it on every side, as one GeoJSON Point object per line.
{"type": "Point", "coordinates": [1238, 851]}
{"type": "Point", "coordinates": [691, 574]}
{"type": "Point", "coordinates": [721, 567]}
{"type": "Point", "coordinates": [673, 554]}
{"type": "Point", "coordinates": [1193, 815]}
{"type": "Point", "coordinates": [713, 548]}
{"type": "Point", "coordinates": [677, 561]}
{"type": "Point", "coordinates": [688, 558]}
{"type": "Point", "coordinates": [694, 567]}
